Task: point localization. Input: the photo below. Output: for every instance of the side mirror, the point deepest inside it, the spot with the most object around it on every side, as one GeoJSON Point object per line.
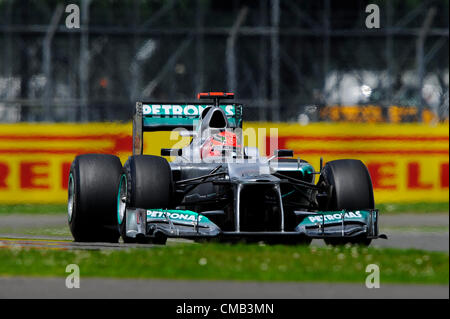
{"type": "Point", "coordinates": [284, 153]}
{"type": "Point", "coordinates": [171, 152]}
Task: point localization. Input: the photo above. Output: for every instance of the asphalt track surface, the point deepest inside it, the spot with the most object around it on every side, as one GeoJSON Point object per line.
{"type": "Point", "coordinates": [43, 288]}
{"type": "Point", "coordinates": [50, 288]}
{"type": "Point", "coordinates": [400, 229]}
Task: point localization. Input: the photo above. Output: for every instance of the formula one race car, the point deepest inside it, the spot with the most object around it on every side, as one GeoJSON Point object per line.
{"type": "Point", "coordinates": [215, 187]}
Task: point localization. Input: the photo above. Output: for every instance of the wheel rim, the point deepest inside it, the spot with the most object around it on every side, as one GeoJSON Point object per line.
{"type": "Point", "coordinates": [70, 200]}
{"type": "Point", "coordinates": [122, 199]}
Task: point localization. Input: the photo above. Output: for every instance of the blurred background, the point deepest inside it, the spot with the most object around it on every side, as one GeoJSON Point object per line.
{"type": "Point", "coordinates": [309, 70]}
{"type": "Point", "coordinates": [287, 60]}
{"type": "Point", "coordinates": [331, 86]}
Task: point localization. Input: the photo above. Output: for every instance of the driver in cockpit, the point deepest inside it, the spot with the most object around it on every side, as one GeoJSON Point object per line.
{"type": "Point", "coordinates": [220, 144]}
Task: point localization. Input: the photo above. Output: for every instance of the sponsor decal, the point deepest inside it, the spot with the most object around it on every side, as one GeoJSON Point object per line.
{"type": "Point", "coordinates": [335, 216]}
{"type": "Point", "coordinates": [184, 110]}
{"type": "Point", "coordinates": [35, 159]}
{"type": "Point", "coordinates": [178, 215]}
{"type": "Point", "coordinates": [406, 162]}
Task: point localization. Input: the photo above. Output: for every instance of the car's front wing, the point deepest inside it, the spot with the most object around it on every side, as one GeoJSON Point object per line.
{"type": "Point", "coordinates": [189, 224]}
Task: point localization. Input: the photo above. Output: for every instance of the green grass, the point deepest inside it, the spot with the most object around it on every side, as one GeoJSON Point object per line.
{"type": "Point", "coordinates": [33, 209]}
{"type": "Point", "coordinates": [415, 229]}
{"type": "Point", "coordinates": [234, 262]}
{"type": "Point", "coordinates": [60, 231]}
{"type": "Point", "coordinates": [413, 208]}
{"type": "Point", "coordinates": [384, 208]}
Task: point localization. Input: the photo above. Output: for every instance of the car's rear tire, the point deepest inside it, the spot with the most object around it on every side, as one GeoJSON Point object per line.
{"type": "Point", "coordinates": [351, 190]}
{"type": "Point", "coordinates": [149, 185]}
{"type": "Point", "coordinates": [92, 191]}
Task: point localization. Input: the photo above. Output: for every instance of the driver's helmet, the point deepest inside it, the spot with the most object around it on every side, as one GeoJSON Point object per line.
{"type": "Point", "coordinates": [220, 144]}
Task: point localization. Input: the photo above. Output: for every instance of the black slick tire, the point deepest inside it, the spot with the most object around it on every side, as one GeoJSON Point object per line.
{"type": "Point", "coordinates": [92, 191]}
{"type": "Point", "coordinates": [351, 190]}
{"type": "Point", "coordinates": [149, 185]}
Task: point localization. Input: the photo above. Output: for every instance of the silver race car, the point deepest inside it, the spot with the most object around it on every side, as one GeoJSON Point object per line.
{"type": "Point", "coordinates": [215, 187]}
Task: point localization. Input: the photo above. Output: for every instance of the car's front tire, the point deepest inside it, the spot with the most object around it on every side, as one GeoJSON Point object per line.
{"type": "Point", "coordinates": [148, 182]}
{"type": "Point", "coordinates": [351, 190]}
{"type": "Point", "coordinates": [92, 190]}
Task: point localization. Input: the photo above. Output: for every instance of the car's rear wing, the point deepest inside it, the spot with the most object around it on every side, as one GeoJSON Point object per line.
{"type": "Point", "coordinates": [156, 116]}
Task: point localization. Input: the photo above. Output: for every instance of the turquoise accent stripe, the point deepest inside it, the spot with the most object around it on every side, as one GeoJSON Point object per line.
{"type": "Point", "coordinates": [122, 178]}
{"type": "Point", "coordinates": [307, 169]}
{"type": "Point", "coordinates": [177, 215]}
{"type": "Point", "coordinates": [155, 115]}
{"type": "Point", "coordinates": [335, 216]}
{"type": "Point", "coordinates": [177, 121]}
{"type": "Point", "coordinates": [288, 193]}
{"type": "Point", "coordinates": [70, 202]}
